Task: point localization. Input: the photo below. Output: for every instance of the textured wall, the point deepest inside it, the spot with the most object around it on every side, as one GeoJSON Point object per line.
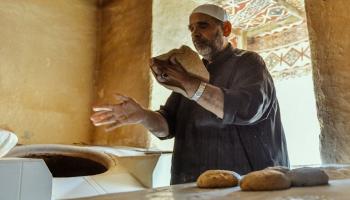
{"type": "Point", "coordinates": [169, 30]}
{"type": "Point", "coordinates": [328, 22]}
{"type": "Point", "coordinates": [124, 59]}
{"type": "Point", "coordinates": [47, 59]}
{"type": "Point", "coordinates": [170, 24]}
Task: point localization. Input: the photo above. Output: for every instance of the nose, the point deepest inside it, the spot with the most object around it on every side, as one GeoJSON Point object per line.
{"type": "Point", "coordinates": [195, 33]}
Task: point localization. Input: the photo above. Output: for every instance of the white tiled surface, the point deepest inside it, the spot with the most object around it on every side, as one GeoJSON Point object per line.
{"type": "Point", "coordinates": [117, 182]}
{"type": "Point", "coordinates": [24, 179]}
{"type": "Point", "coordinates": [11, 185]}
{"type": "Point", "coordinates": [36, 180]}
{"type": "Point", "coordinates": [74, 187]}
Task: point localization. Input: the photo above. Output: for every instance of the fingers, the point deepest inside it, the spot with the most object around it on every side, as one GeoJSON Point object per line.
{"type": "Point", "coordinates": [110, 120]}
{"type": "Point", "coordinates": [156, 69]}
{"type": "Point", "coordinates": [159, 73]}
{"type": "Point", "coordinates": [160, 70]}
{"type": "Point", "coordinates": [113, 127]}
{"type": "Point", "coordinates": [121, 121]}
{"type": "Point", "coordinates": [175, 61]}
{"type": "Point", "coordinates": [112, 107]}
{"type": "Point", "coordinates": [158, 62]}
{"type": "Point", "coordinates": [162, 78]}
{"type": "Point", "coordinates": [103, 118]}
{"type": "Point", "coordinates": [100, 116]}
{"type": "Point", "coordinates": [168, 75]}
{"type": "Point", "coordinates": [120, 97]}
{"type": "Point", "coordinates": [109, 107]}
{"type": "Point", "coordinates": [159, 66]}
{"type": "Point", "coordinates": [113, 115]}
{"type": "Point", "coordinates": [102, 108]}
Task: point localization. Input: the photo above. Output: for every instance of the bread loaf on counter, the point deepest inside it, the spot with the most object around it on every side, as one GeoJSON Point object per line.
{"type": "Point", "coordinates": [267, 179]}
{"type": "Point", "coordinates": [307, 176]}
{"type": "Point", "coordinates": [218, 179]}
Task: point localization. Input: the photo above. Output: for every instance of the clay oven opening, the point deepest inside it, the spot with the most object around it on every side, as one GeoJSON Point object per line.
{"type": "Point", "coordinates": [64, 160]}
{"type": "Point", "coordinates": [69, 166]}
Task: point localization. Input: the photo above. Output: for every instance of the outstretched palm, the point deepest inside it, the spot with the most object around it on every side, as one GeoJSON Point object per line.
{"type": "Point", "coordinates": [127, 111]}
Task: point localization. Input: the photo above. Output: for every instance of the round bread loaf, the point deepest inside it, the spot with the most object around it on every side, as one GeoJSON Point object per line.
{"type": "Point", "coordinates": [308, 176]}
{"type": "Point", "coordinates": [265, 180]}
{"type": "Point", "coordinates": [218, 179]}
{"type": "Point", "coordinates": [189, 59]}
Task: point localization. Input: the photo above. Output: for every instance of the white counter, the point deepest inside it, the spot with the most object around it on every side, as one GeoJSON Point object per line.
{"type": "Point", "coordinates": [338, 189]}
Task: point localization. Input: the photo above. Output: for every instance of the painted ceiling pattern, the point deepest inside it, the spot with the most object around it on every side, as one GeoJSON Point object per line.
{"type": "Point", "coordinates": [288, 61]}
{"type": "Point", "coordinates": [284, 59]}
{"type": "Point", "coordinates": [299, 4]}
{"type": "Point", "coordinates": [250, 14]}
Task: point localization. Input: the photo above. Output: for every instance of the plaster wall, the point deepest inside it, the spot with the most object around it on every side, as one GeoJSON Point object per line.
{"type": "Point", "coordinates": [170, 25]}
{"type": "Point", "coordinates": [169, 31]}
{"type": "Point", "coordinates": [125, 50]}
{"type": "Point", "coordinates": [47, 60]}
{"type": "Point", "coordinates": [328, 23]}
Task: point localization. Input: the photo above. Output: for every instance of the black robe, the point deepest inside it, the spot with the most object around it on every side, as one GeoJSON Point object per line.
{"type": "Point", "coordinates": [249, 137]}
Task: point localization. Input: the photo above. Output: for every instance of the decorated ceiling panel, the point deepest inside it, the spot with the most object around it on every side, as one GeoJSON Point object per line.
{"type": "Point", "coordinates": [252, 14]}
{"type": "Point", "coordinates": [299, 4]}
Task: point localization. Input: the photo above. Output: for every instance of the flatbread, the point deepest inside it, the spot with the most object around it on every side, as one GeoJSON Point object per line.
{"type": "Point", "coordinates": [189, 59]}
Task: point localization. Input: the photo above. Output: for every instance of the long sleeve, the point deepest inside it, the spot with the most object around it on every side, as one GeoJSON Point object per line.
{"type": "Point", "coordinates": [169, 112]}
{"type": "Point", "coordinates": [251, 92]}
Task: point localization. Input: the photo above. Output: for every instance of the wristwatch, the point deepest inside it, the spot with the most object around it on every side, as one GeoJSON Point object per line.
{"type": "Point", "coordinates": [199, 91]}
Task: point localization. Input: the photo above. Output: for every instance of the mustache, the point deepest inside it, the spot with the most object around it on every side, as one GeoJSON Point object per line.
{"type": "Point", "coordinates": [201, 41]}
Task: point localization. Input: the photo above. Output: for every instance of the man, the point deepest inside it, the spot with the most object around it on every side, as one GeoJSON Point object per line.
{"type": "Point", "coordinates": [231, 122]}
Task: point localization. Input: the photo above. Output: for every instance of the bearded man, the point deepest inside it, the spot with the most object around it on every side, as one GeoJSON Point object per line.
{"type": "Point", "coordinates": [232, 122]}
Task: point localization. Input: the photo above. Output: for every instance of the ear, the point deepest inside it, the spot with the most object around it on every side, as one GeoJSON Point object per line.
{"type": "Point", "coordinates": [227, 28]}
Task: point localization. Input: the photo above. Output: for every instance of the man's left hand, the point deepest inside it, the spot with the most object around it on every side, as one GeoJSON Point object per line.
{"type": "Point", "coordinates": [172, 75]}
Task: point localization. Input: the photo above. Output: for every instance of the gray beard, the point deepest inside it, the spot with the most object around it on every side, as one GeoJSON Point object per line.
{"type": "Point", "coordinates": [210, 48]}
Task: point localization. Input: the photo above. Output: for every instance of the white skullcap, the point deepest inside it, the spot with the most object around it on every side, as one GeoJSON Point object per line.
{"type": "Point", "coordinates": [213, 11]}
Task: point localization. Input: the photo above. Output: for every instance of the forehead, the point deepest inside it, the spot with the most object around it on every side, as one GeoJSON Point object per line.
{"type": "Point", "coordinates": [199, 17]}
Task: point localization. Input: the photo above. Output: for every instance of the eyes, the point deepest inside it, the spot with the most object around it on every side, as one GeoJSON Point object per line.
{"type": "Point", "coordinates": [199, 25]}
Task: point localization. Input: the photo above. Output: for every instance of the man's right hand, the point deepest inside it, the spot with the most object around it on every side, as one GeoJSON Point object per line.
{"type": "Point", "coordinates": [128, 111]}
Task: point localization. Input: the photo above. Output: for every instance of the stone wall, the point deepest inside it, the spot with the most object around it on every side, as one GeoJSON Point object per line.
{"type": "Point", "coordinates": [125, 50]}
{"type": "Point", "coordinates": [47, 60]}
{"type": "Point", "coordinates": [329, 29]}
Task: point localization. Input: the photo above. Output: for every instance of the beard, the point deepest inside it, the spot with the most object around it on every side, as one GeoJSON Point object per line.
{"type": "Point", "coordinates": [208, 48]}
